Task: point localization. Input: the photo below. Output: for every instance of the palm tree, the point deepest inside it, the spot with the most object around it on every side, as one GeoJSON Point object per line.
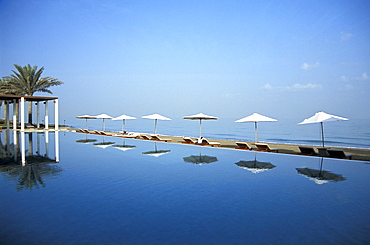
{"type": "Point", "coordinates": [27, 80]}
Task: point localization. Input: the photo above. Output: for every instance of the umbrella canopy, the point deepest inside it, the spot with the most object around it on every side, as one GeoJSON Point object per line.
{"type": "Point", "coordinates": [255, 117]}
{"type": "Point", "coordinates": [156, 117]}
{"type": "Point", "coordinates": [86, 117]}
{"type": "Point", "coordinates": [200, 117]}
{"type": "Point", "coordinates": [320, 176]}
{"type": "Point", "coordinates": [103, 116]}
{"type": "Point", "coordinates": [321, 117]}
{"type": "Point", "coordinates": [123, 117]}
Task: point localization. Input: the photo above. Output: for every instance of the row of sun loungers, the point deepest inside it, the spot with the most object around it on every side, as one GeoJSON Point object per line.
{"type": "Point", "coordinates": [125, 135]}
{"type": "Point", "coordinates": [304, 150]}
{"type": "Point", "coordinates": [203, 141]}
{"type": "Point", "coordinates": [324, 152]}
{"type": "Point", "coordinates": [260, 147]}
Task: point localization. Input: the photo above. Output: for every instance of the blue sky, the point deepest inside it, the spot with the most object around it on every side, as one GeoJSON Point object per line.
{"type": "Point", "coordinates": [283, 59]}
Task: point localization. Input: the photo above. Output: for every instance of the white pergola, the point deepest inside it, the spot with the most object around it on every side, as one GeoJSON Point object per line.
{"type": "Point", "coordinates": [14, 99]}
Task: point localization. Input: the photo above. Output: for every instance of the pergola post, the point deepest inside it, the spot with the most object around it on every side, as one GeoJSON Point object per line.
{"type": "Point", "coordinates": [56, 146]}
{"type": "Point", "coordinates": [14, 114]}
{"type": "Point", "coordinates": [38, 113]}
{"type": "Point", "coordinates": [7, 114]}
{"type": "Point", "coordinates": [56, 114]}
{"type": "Point", "coordinates": [46, 115]}
{"type": "Point", "coordinates": [22, 113]}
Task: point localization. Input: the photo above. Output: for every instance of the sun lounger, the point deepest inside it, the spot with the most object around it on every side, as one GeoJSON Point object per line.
{"type": "Point", "coordinates": [336, 153]}
{"type": "Point", "coordinates": [206, 142]}
{"type": "Point", "coordinates": [243, 146]}
{"type": "Point", "coordinates": [265, 147]}
{"type": "Point", "coordinates": [188, 140]}
{"type": "Point", "coordinates": [80, 130]}
{"type": "Point", "coordinates": [323, 152]}
{"type": "Point", "coordinates": [157, 138]}
{"type": "Point", "coordinates": [132, 135]}
{"type": "Point", "coordinates": [309, 151]}
{"type": "Point", "coordinates": [99, 132]}
{"type": "Point", "coordinates": [144, 137]}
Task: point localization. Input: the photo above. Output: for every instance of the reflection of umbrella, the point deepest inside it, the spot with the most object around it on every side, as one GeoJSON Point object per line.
{"type": "Point", "coordinates": [200, 117]}
{"type": "Point", "coordinates": [321, 117]}
{"type": "Point", "coordinates": [255, 166]}
{"type": "Point", "coordinates": [255, 117]}
{"type": "Point", "coordinates": [86, 117]}
{"type": "Point", "coordinates": [156, 117]}
{"type": "Point", "coordinates": [124, 147]}
{"type": "Point", "coordinates": [103, 116]}
{"type": "Point", "coordinates": [200, 159]}
{"type": "Point", "coordinates": [86, 140]}
{"type": "Point", "coordinates": [123, 118]}
{"type": "Point", "coordinates": [156, 152]}
{"type": "Point", "coordinates": [103, 144]}
{"type": "Point", "coordinates": [320, 176]}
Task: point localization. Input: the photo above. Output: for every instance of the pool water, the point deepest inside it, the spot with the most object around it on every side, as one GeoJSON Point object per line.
{"type": "Point", "coordinates": [163, 193]}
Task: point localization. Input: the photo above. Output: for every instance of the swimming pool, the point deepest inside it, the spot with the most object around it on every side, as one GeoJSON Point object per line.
{"type": "Point", "coordinates": [163, 193]}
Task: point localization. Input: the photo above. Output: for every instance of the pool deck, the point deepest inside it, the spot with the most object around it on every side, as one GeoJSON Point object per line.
{"type": "Point", "coordinates": [357, 154]}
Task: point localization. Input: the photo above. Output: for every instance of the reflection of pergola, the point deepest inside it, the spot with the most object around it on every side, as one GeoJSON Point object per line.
{"type": "Point", "coordinates": [14, 99]}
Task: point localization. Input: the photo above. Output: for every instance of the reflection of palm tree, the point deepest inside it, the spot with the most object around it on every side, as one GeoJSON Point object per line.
{"type": "Point", "coordinates": [33, 175]}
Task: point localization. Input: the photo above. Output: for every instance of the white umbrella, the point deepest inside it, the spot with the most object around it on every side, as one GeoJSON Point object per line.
{"type": "Point", "coordinates": [200, 117]}
{"type": "Point", "coordinates": [156, 117]}
{"type": "Point", "coordinates": [255, 117]}
{"type": "Point", "coordinates": [86, 117]}
{"type": "Point", "coordinates": [321, 117]}
{"type": "Point", "coordinates": [103, 116]}
{"type": "Point", "coordinates": [123, 118]}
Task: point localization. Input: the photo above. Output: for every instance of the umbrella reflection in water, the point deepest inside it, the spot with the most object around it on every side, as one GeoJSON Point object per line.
{"type": "Point", "coordinates": [86, 140]}
{"type": "Point", "coordinates": [255, 166]}
{"type": "Point", "coordinates": [103, 144]}
{"type": "Point", "coordinates": [156, 152]}
{"type": "Point", "coordinates": [124, 147]}
{"type": "Point", "coordinates": [200, 159]}
{"type": "Point", "coordinates": [320, 176]}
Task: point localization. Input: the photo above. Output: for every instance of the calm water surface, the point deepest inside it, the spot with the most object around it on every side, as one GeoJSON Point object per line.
{"type": "Point", "coordinates": [116, 195]}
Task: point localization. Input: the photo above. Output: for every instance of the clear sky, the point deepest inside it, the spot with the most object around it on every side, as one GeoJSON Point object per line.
{"type": "Point", "coordinates": [227, 58]}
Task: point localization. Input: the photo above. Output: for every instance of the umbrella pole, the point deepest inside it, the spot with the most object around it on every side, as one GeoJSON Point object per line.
{"type": "Point", "coordinates": [322, 133]}
{"type": "Point", "coordinates": [200, 128]}
{"type": "Point", "coordinates": [155, 126]}
{"type": "Point", "coordinates": [256, 131]}
{"type": "Point", "coordinates": [103, 125]}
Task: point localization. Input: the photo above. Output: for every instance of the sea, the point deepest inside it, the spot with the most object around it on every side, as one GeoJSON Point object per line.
{"type": "Point", "coordinates": [349, 134]}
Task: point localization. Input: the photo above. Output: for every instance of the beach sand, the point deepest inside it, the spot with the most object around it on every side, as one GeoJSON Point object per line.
{"type": "Point", "coordinates": [357, 154]}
